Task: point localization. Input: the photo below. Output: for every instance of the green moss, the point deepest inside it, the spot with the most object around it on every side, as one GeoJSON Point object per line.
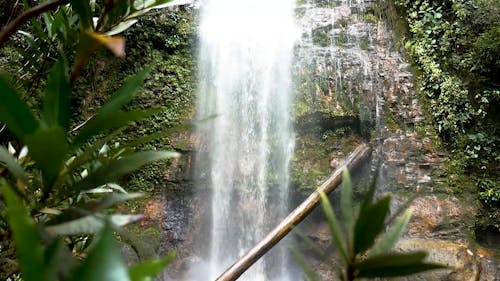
{"type": "Point", "coordinates": [321, 36]}
{"type": "Point", "coordinates": [370, 18]}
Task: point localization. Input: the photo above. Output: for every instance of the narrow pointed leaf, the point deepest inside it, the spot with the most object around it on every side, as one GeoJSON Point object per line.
{"type": "Point", "coordinates": [103, 123]}
{"type": "Point", "coordinates": [91, 207]}
{"type": "Point", "coordinates": [12, 165]}
{"type": "Point", "coordinates": [391, 237]}
{"type": "Point", "coordinates": [122, 166]}
{"type": "Point", "coordinates": [347, 208]}
{"type": "Point", "coordinates": [56, 107]}
{"type": "Point", "coordinates": [394, 264]}
{"type": "Point", "coordinates": [29, 250]}
{"type": "Point", "coordinates": [90, 224]}
{"type": "Point", "coordinates": [149, 270]}
{"type": "Point", "coordinates": [15, 113]}
{"type": "Point", "coordinates": [48, 147]}
{"type": "Point", "coordinates": [84, 12]}
{"type": "Point", "coordinates": [104, 262]}
{"type": "Point", "coordinates": [335, 229]}
{"type": "Point", "coordinates": [125, 94]}
{"type": "Point", "coordinates": [370, 224]}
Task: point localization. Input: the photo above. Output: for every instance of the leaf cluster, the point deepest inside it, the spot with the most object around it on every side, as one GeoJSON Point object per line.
{"type": "Point", "coordinates": [58, 189]}
{"type": "Point", "coordinates": [456, 45]}
{"type": "Point", "coordinates": [363, 246]}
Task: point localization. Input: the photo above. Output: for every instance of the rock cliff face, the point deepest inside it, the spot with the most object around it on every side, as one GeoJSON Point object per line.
{"type": "Point", "coordinates": [348, 65]}
{"type": "Point", "coordinates": [353, 84]}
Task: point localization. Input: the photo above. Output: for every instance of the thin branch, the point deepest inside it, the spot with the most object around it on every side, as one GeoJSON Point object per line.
{"type": "Point", "coordinates": [14, 25]}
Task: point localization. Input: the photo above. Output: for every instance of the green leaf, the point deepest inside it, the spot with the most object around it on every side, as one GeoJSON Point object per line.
{"type": "Point", "coordinates": [122, 26]}
{"type": "Point", "coordinates": [82, 9]}
{"type": "Point", "coordinates": [124, 94]}
{"type": "Point", "coordinates": [48, 147]}
{"type": "Point", "coordinates": [92, 207]}
{"type": "Point", "coordinates": [147, 271]}
{"type": "Point", "coordinates": [29, 250]}
{"type": "Point", "coordinates": [104, 262]}
{"type": "Point", "coordinates": [347, 208]}
{"type": "Point", "coordinates": [15, 113]}
{"type": "Point", "coordinates": [370, 223]}
{"type": "Point", "coordinates": [308, 271]}
{"type": "Point", "coordinates": [335, 228]}
{"type": "Point", "coordinates": [56, 104]}
{"type": "Point", "coordinates": [102, 123]}
{"type": "Point", "coordinates": [14, 167]}
{"type": "Point", "coordinates": [89, 224]}
{"type": "Point", "coordinates": [391, 237]}
{"type": "Point", "coordinates": [122, 166]}
{"type": "Point", "coordinates": [394, 264]}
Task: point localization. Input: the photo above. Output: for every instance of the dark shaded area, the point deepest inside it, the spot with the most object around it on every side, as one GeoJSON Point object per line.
{"type": "Point", "coordinates": [321, 121]}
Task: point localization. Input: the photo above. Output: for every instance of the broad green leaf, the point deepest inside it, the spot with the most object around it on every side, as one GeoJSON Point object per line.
{"type": "Point", "coordinates": [125, 94]}
{"type": "Point", "coordinates": [29, 250]}
{"type": "Point", "coordinates": [104, 262]}
{"type": "Point", "coordinates": [387, 241]}
{"type": "Point", "coordinates": [335, 228]}
{"type": "Point", "coordinates": [15, 113]}
{"type": "Point", "coordinates": [370, 223]}
{"type": "Point", "coordinates": [92, 207]}
{"type": "Point", "coordinates": [14, 167]}
{"type": "Point", "coordinates": [90, 224]}
{"type": "Point", "coordinates": [82, 9]}
{"type": "Point", "coordinates": [48, 147]}
{"type": "Point", "coordinates": [308, 271]}
{"type": "Point", "coordinates": [56, 107]}
{"type": "Point", "coordinates": [102, 123]}
{"type": "Point", "coordinates": [347, 208]}
{"type": "Point", "coordinates": [149, 270]}
{"type": "Point", "coordinates": [394, 264]}
{"type": "Point", "coordinates": [112, 171]}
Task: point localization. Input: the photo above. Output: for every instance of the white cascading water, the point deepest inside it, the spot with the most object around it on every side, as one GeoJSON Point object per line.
{"type": "Point", "coordinates": [246, 143]}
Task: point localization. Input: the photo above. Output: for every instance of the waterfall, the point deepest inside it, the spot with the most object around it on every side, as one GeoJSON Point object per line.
{"type": "Point", "coordinates": [246, 137]}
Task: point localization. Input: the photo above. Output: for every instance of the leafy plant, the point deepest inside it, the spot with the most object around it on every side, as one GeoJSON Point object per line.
{"type": "Point", "coordinates": [69, 184]}
{"type": "Point", "coordinates": [59, 188]}
{"type": "Point", "coordinates": [40, 260]}
{"type": "Point", "coordinates": [455, 46]}
{"type": "Point", "coordinates": [363, 246]}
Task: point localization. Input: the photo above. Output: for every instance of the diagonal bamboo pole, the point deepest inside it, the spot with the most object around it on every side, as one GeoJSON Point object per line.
{"type": "Point", "coordinates": [361, 153]}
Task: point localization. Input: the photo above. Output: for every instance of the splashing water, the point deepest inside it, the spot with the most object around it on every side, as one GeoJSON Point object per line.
{"type": "Point", "coordinates": [245, 57]}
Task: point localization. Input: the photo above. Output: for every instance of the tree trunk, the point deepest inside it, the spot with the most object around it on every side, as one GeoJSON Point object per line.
{"type": "Point", "coordinates": [361, 153]}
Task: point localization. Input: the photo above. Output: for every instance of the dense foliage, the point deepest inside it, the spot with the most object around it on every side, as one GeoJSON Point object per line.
{"type": "Point", "coordinates": [63, 149]}
{"type": "Point", "coordinates": [456, 46]}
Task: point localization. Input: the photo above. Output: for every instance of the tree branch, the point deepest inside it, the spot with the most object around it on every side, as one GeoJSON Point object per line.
{"type": "Point", "coordinates": [14, 25]}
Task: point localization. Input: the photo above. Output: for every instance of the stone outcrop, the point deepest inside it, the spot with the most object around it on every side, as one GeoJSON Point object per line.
{"type": "Point", "coordinates": [349, 57]}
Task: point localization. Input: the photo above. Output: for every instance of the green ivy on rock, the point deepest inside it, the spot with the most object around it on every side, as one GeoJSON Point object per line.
{"type": "Point", "coordinates": [455, 44]}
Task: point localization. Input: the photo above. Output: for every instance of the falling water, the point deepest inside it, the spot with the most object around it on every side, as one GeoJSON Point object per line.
{"type": "Point", "coordinates": [246, 140]}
